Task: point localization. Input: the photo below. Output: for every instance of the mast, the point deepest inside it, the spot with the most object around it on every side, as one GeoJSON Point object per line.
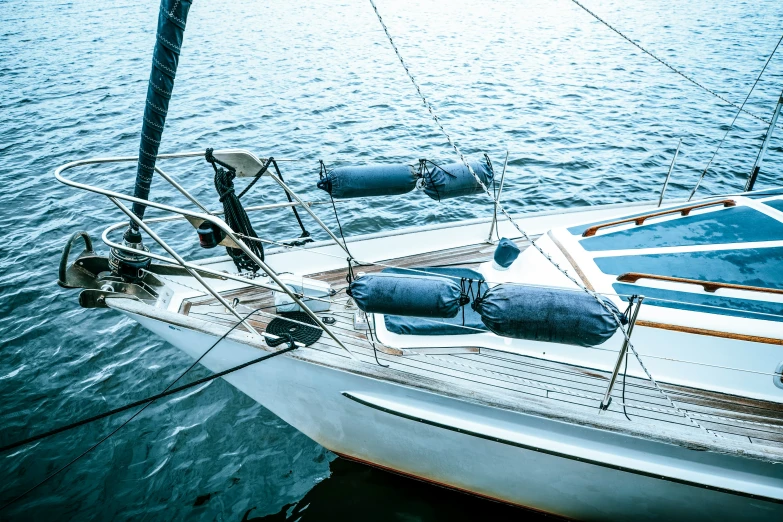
{"type": "Point", "coordinates": [757, 166]}
{"type": "Point", "coordinates": [165, 57]}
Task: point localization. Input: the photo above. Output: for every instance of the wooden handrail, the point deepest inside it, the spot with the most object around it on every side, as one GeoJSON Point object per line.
{"type": "Point", "coordinates": [709, 286]}
{"type": "Point", "coordinates": [639, 220]}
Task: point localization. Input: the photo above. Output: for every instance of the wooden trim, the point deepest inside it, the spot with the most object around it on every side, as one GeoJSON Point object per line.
{"type": "Point", "coordinates": [444, 485]}
{"type": "Point", "coordinates": [639, 220]}
{"type": "Point", "coordinates": [709, 286]}
{"type": "Point", "coordinates": [711, 333]}
{"type": "Point", "coordinates": [388, 350]}
{"type": "Point", "coordinates": [572, 261]}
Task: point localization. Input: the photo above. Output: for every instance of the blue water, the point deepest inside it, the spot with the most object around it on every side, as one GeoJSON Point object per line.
{"type": "Point", "coordinates": [587, 119]}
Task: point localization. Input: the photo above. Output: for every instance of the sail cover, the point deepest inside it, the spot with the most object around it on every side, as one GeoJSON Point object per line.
{"type": "Point", "coordinates": [454, 179]}
{"type": "Point", "coordinates": [555, 315]}
{"type": "Point", "coordinates": [368, 181]}
{"type": "Point", "coordinates": [165, 57]}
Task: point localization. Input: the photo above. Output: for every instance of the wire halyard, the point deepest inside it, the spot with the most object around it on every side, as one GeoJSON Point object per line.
{"type": "Point", "coordinates": [733, 121]}
{"type": "Point", "coordinates": [672, 68]}
{"type": "Point", "coordinates": [524, 234]}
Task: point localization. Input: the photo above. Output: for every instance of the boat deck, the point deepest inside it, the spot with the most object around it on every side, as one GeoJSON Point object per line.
{"type": "Point", "coordinates": [740, 418]}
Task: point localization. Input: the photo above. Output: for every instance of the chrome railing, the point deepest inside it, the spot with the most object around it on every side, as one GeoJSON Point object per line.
{"type": "Point", "coordinates": [205, 215]}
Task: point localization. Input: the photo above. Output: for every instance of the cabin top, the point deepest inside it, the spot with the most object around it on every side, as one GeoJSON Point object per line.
{"type": "Point", "coordinates": [717, 263]}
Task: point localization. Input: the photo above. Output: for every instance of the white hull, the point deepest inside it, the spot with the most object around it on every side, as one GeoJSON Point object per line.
{"type": "Point", "coordinates": [511, 419]}
{"type": "Point", "coordinates": [556, 467]}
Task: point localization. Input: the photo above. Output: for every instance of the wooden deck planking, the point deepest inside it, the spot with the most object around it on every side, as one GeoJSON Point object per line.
{"type": "Point", "coordinates": [510, 372]}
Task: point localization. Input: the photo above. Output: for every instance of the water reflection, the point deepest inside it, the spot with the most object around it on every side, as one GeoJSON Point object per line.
{"type": "Point", "coordinates": [356, 491]}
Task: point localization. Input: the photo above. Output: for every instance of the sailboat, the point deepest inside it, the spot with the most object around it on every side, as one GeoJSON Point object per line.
{"type": "Point", "coordinates": [600, 363]}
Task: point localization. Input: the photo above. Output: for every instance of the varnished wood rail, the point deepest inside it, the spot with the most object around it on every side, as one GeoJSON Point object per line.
{"type": "Point", "coordinates": [639, 220]}
{"type": "Point", "coordinates": [709, 286]}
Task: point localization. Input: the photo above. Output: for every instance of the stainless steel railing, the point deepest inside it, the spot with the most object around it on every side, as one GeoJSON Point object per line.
{"type": "Point", "coordinates": [212, 217]}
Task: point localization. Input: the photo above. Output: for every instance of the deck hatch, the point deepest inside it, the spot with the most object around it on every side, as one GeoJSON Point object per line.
{"type": "Point", "coordinates": [762, 267]}
{"type": "Point", "coordinates": [729, 225]}
{"type": "Point", "coordinates": [777, 204]}
{"type": "Point", "coordinates": [705, 303]}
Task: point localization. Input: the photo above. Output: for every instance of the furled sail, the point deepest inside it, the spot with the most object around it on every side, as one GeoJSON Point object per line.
{"type": "Point", "coordinates": [165, 57]}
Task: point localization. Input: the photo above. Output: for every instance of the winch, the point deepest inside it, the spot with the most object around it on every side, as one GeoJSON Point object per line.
{"type": "Point", "coordinates": [130, 266]}
{"type": "Point", "coordinates": [120, 275]}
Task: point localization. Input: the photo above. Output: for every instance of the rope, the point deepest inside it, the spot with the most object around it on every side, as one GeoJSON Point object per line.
{"type": "Point", "coordinates": [524, 234]}
{"type": "Point", "coordinates": [740, 108]}
{"type": "Point", "coordinates": [323, 174]}
{"type": "Point", "coordinates": [109, 413]}
{"type": "Point", "coordinates": [146, 402]}
{"type": "Point", "coordinates": [235, 214]}
{"type": "Point", "coordinates": [698, 183]}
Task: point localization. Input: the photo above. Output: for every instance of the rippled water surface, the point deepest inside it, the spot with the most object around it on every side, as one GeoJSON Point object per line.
{"type": "Point", "coordinates": [587, 119]}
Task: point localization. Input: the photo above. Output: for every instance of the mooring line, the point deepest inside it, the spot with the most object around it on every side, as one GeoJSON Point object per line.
{"type": "Point", "coordinates": [145, 402]}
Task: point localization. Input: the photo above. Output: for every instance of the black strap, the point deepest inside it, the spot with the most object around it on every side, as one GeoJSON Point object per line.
{"type": "Point", "coordinates": [235, 214]}
{"type": "Point", "coordinates": [305, 233]}
{"type": "Point", "coordinates": [478, 298]}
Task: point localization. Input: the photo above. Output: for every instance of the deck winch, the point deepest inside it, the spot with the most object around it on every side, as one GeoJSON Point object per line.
{"type": "Point", "coordinates": [130, 266]}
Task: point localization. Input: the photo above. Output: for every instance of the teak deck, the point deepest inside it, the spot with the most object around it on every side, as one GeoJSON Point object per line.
{"type": "Point", "coordinates": [729, 416]}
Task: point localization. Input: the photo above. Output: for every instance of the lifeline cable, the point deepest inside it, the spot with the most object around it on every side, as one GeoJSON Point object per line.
{"type": "Point", "coordinates": [524, 234]}
{"type": "Point", "coordinates": [305, 237]}
{"type": "Point", "coordinates": [662, 62]}
{"type": "Point", "coordinates": [625, 371]}
{"type": "Point", "coordinates": [150, 400]}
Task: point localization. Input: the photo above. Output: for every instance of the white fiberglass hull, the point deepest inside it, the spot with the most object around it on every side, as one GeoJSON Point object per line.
{"type": "Point", "coordinates": [548, 465]}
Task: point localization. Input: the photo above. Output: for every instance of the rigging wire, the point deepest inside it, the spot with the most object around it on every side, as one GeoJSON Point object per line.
{"type": "Point", "coordinates": [670, 67]}
{"type": "Point", "coordinates": [502, 209]}
{"type": "Point", "coordinates": [146, 402]}
{"type": "Point", "coordinates": [726, 135]}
